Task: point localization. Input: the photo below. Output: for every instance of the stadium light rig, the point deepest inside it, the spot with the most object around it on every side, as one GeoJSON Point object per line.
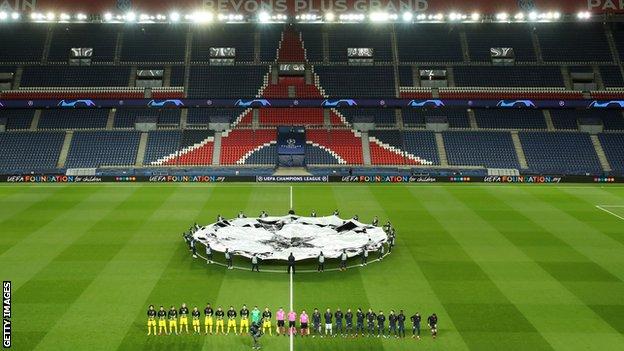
{"type": "Point", "coordinates": [583, 15]}
{"type": "Point", "coordinates": [407, 16]}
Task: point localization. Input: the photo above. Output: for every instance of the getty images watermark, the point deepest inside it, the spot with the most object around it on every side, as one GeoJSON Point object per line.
{"type": "Point", "coordinates": [6, 314]}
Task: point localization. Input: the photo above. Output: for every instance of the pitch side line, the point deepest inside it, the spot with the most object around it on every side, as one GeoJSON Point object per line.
{"type": "Point", "coordinates": [609, 212]}
{"type": "Point", "coordinates": [291, 198]}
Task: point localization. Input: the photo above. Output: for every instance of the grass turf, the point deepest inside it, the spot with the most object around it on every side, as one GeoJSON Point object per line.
{"type": "Point", "coordinates": [524, 267]}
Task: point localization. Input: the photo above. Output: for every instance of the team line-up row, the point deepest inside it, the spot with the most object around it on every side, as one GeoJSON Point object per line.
{"type": "Point", "coordinates": [327, 324]}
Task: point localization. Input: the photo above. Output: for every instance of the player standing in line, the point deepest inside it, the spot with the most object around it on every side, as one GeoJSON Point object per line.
{"type": "Point", "coordinates": [208, 312]}
{"type": "Point", "coordinates": [364, 255]}
{"type": "Point", "coordinates": [349, 323]}
{"type": "Point", "coordinates": [313, 214]}
{"type": "Point", "coordinates": [401, 322]}
{"type": "Point", "coordinates": [339, 316]}
{"type": "Point", "coordinates": [280, 315]}
{"type": "Point", "coordinates": [266, 321]}
{"type": "Point", "coordinates": [208, 254]}
{"type": "Point", "coordinates": [381, 324]}
{"type": "Point", "coordinates": [328, 322]}
{"type": "Point", "coordinates": [231, 315]}
{"type": "Point", "coordinates": [392, 321]}
{"type": "Point", "coordinates": [219, 314]}
{"type": "Point", "coordinates": [391, 241]}
{"type": "Point", "coordinates": [241, 214]}
{"type": "Point", "coordinates": [292, 323]}
{"type": "Point", "coordinates": [371, 318]}
{"type": "Point", "coordinates": [336, 213]}
{"type": "Point", "coordinates": [184, 318]}
{"type": "Point", "coordinates": [316, 322]}
{"type": "Point", "coordinates": [432, 322]}
{"type": "Point", "coordinates": [303, 322]}
{"type": "Point", "coordinates": [375, 221]}
{"type": "Point", "coordinates": [193, 248]}
{"type": "Point", "coordinates": [255, 315]}
{"type": "Point", "coordinates": [416, 325]}
{"type": "Point", "coordinates": [244, 323]}
{"type": "Point", "coordinates": [263, 214]}
{"type": "Point", "coordinates": [162, 320]}
{"type": "Point", "coordinates": [343, 260]}
{"type": "Point", "coordinates": [196, 326]}
{"type": "Point", "coordinates": [173, 320]}
{"type": "Point", "coordinates": [382, 251]}
{"type": "Point", "coordinates": [151, 320]}
{"type": "Point", "coordinates": [321, 262]}
{"type": "Point", "coordinates": [359, 323]}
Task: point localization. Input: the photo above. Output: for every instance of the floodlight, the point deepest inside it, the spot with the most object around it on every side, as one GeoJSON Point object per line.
{"type": "Point", "coordinates": [50, 16]}
{"type": "Point", "coordinates": [174, 17]}
{"type": "Point", "coordinates": [264, 17]}
{"type": "Point", "coordinates": [407, 16]}
{"type": "Point", "coordinates": [108, 16]}
{"type": "Point", "coordinates": [330, 17]}
{"type": "Point", "coordinates": [475, 16]}
{"type": "Point", "coordinates": [15, 15]}
{"type": "Point", "coordinates": [130, 17]}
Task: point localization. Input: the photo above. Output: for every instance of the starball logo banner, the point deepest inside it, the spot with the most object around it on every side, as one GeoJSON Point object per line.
{"type": "Point", "coordinates": [315, 6]}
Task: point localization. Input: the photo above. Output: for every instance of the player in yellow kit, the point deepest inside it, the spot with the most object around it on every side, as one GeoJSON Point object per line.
{"type": "Point", "coordinates": [151, 320]}
{"type": "Point", "coordinates": [162, 321]}
{"type": "Point", "coordinates": [266, 321]}
{"type": "Point", "coordinates": [244, 323]}
{"type": "Point", "coordinates": [196, 326]}
{"type": "Point", "coordinates": [184, 318]}
{"type": "Point", "coordinates": [173, 320]}
{"type": "Point", "coordinates": [219, 317]}
{"type": "Point", "coordinates": [208, 313]}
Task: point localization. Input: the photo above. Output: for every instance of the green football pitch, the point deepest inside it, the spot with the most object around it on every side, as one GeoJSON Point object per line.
{"type": "Point", "coordinates": [505, 267]}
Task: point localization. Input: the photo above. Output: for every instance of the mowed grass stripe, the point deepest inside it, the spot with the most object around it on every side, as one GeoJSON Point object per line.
{"type": "Point", "coordinates": [335, 289]}
{"type": "Point", "coordinates": [403, 265]}
{"type": "Point", "coordinates": [244, 287]}
{"type": "Point", "coordinates": [540, 296]}
{"type": "Point", "coordinates": [39, 245]}
{"type": "Point", "coordinates": [93, 250]}
{"type": "Point", "coordinates": [176, 277]}
{"type": "Point", "coordinates": [482, 313]}
{"type": "Point", "coordinates": [42, 207]}
{"type": "Point", "coordinates": [606, 223]}
{"type": "Point", "coordinates": [575, 232]}
{"type": "Point", "coordinates": [49, 280]}
{"type": "Point", "coordinates": [125, 281]}
{"type": "Point", "coordinates": [15, 201]}
{"type": "Point", "coordinates": [588, 281]}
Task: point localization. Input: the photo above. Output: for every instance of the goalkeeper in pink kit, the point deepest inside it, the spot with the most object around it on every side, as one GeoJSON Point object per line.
{"type": "Point", "coordinates": [303, 322]}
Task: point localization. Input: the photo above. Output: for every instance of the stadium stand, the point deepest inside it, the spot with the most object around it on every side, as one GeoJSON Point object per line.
{"type": "Point", "coordinates": [13, 37]}
{"type": "Point", "coordinates": [103, 148]}
{"type": "Point", "coordinates": [510, 119]}
{"type": "Point", "coordinates": [566, 153]}
{"type": "Point", "coordinates": [125, 118]}
{"type": "Point", "coordinates": [487, 149]}
{"type": "Point", "coordinates": [102, 38]}
{"type": "Point", "coordinates": [18, 119]}
{"type": "Point", "coordinates": [73, 119]}
{"type": "Point", "coordinates": [573, 42]}
{"type": "Point", "coordinates": [161, 143]}
{"type": "Point", "coordinates": [251, 141]}
{"type": "Point", "coordinates": [429, 43]}
{"type": "Point", "coordinates": [25, 152]}
{"type": "Point", "coordinates": [238, 36]}
{"type": "Point", "coordinates": [75, 76]}
{"type": "Point", "coordinates": [482, 38]}
{"type": "Point", "coordinates": [612, 145]}
{"type": "Point", "coordinates": [233, 81]}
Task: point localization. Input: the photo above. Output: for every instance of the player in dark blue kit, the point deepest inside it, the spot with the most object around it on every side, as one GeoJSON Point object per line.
{"type": "Point", "coordinates": [316, 322]}
{"type": "Point", "coordinates": [381, 324]}
{"type": "Point", "coordinates": [371, 318]}
{"type": "Point", "coordinates": [349, 322]}
{"type": "Point", "coordinates": [359, 322]}
{"type": "Point", "coordinates": [392, 324]}
{"type": "Point", "coordinates": [416, 325]}
{"type": "Point", "coordinates": [401, 323]}
{"type": "Point", "coordinates": [339, 315]}
{"type": "Point", "coordinates": [432, 322]}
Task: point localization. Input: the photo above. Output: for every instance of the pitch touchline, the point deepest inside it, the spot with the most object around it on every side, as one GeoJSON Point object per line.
{"type": "Point", "coordinates": [609, 212]}
{"type": "Point", "coordinates": [291, 307]}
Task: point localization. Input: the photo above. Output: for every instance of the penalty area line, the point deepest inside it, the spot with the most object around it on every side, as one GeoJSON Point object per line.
{"type": "Point", "coordinates": [601, 207]}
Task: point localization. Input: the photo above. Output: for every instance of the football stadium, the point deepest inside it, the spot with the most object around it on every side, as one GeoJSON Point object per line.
{"type": "Point", "coordinates": [312, 174]}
